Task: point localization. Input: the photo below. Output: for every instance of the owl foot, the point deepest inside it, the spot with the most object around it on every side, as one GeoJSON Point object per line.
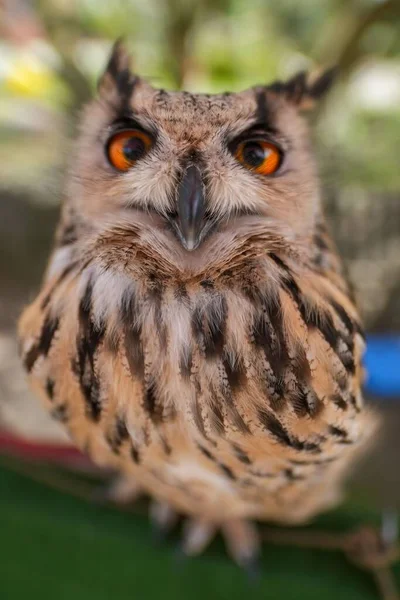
{"type": "Point", "coordinates": [241, 539]}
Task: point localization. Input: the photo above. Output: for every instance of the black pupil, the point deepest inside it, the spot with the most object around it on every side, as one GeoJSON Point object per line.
{"type": "Point", "coordinates": [254, 154]}
{"type": "Point", "coordinates": [134, 148]}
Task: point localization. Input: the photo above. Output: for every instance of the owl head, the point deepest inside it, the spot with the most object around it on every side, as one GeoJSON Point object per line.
{"type": "Point", "coordinates": [196, 163]}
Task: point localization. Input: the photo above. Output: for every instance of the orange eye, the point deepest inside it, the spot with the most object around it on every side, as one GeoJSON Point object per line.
{"type": "Point", "coordinates": [259, 156]}
{"type": "Point", "coordinates": [125, 148]}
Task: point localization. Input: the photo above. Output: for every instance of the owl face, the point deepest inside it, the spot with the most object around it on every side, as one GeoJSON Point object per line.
{"type": "Point", "coordinates": [196, 163]}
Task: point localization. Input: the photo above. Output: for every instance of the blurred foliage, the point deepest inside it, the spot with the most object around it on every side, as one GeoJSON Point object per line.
{"type": "Point", "coordinates": [52, 52]}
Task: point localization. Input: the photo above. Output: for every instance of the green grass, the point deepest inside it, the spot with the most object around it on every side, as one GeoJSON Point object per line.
{"type": "Point", "coordinates": [57, 547]}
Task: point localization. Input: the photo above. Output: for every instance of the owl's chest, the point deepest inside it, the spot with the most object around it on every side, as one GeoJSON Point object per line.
{"type": "Point", "coordinates": [198, 387]}
{"type": "Point", "coordinates": [229, 359]}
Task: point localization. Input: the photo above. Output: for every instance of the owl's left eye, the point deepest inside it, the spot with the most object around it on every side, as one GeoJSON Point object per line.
{"type": "Point", "coordinates": [125, 148]}
{"type": "Point", "coordinates": [259, 156]}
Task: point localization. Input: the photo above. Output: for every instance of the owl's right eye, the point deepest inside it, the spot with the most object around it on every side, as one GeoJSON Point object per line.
{"type": "Point", "coordinates": [125, 148]}
{"type": "Point", "coordinates": [260, 156]}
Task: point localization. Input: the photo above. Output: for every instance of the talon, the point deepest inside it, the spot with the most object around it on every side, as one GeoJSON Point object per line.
{"type": "Point", "coordinates": [252, 568]}
{"type": "Point", "coordinates": [197, 535]}
{"type": "Point", "coordinates": [163, 519]}
{"type": "Point", "coordinates": [243, 543]}
{"type": "Point", "coordinates": [389, 528]}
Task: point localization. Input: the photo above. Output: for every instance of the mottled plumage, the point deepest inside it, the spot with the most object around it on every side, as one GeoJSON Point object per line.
{"type": "Point", "coordinates": [226, 379]}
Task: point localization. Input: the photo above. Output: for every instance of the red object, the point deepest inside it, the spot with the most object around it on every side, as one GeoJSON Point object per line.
{"type": "Point", "coordinates": [60, 454]}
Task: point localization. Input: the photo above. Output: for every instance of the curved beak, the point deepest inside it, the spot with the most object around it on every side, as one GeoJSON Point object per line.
{"type": "Point", "coordinates": [190, 208]}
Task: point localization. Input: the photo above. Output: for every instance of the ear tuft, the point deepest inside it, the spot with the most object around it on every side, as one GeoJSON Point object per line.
{"type": "Point", "coordinates": [303, 90]}
{"type": "Point", "coordinates": [296, 87]}
{"type": "Point", "coordinates": [117, 80]}
{"type": "Point", "coordinates": [322, 84]}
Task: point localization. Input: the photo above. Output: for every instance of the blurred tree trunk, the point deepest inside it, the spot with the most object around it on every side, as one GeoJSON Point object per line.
{"type": "Point", "coordinates": [350, 53]}
{"type": "Point", "coordinates": [181, 20]}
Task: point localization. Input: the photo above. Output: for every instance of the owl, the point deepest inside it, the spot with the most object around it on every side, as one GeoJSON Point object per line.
{"type": "Point", "coordinates": [195, 330]}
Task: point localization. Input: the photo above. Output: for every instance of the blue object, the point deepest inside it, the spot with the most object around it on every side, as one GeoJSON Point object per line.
{"type": "Point", "coordinates": [382, 362]}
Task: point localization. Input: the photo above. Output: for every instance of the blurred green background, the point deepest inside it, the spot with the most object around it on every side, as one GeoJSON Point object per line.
{"type": "Point", "coordinates": [51, 54]}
